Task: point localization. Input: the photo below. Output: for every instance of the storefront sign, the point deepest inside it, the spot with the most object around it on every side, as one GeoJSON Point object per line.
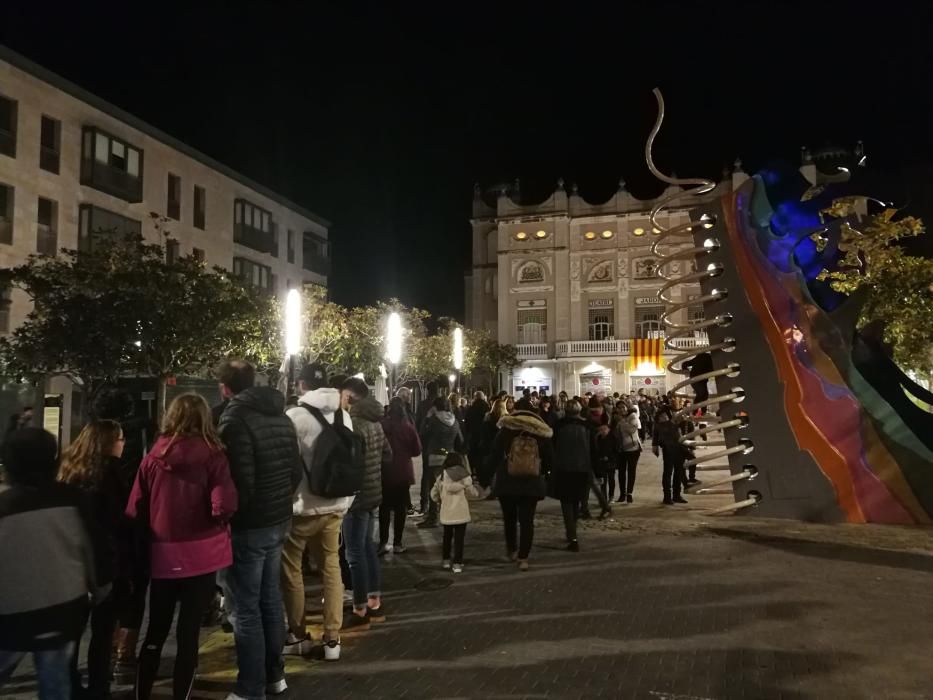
{"type": "Point", "coordinates": [641, 301]}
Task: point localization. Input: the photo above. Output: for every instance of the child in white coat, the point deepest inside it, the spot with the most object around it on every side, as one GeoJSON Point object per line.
{"type": "Point", "coordinates": [450, 491]}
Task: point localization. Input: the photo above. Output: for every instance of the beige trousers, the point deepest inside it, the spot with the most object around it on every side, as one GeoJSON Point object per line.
{"type": "Point", "coordinates": [320, 533]}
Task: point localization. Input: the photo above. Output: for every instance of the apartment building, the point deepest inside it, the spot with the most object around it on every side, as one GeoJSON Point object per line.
{"type": "Point", "coordinates": [72, 164]}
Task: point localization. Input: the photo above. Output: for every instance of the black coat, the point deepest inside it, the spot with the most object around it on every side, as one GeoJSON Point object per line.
{"type": "Point", "coordinates": [366, 415]}
{"type": "Point", "coordinates": [264, 459]}
{"type": "Point", "coordinates": [473, 423]}
{"type": "Point", "coordinates": [572, 446]}
{"type": "Point", "coordinates": [511, 427]}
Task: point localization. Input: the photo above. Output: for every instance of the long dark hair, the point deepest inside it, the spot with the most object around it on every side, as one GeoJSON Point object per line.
{"type": "Point", "coordinates": [397, 412]}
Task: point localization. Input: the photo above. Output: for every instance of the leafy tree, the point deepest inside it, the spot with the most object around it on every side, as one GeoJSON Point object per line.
{"type": "Point", "coordinates": [896, 288]}
{"type": "Point", "coordinates": [122, 308]}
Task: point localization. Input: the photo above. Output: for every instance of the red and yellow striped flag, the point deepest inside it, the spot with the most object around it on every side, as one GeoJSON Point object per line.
{"type": "Point", "coordinates": [646, 350]}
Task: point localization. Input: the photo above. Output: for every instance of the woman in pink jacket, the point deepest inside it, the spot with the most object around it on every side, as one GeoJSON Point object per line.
{"type": "Point", "coordinates": [184, 492]}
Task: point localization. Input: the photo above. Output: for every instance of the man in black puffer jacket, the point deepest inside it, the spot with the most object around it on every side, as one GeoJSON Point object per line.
{"type": "Point", "coordinates": [266, 467]}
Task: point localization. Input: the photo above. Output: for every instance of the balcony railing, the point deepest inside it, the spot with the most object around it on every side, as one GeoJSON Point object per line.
{"type": "Point", "coordinates": [259, 241]}
{"type": "Point", "coordinates": [317, 264]}
{"type": "Point", "coordinates": [623, 347]}
{"type": "Point", "coordinates": [111, 180]}
{"type": "Point", "coordinates": [532, 351]}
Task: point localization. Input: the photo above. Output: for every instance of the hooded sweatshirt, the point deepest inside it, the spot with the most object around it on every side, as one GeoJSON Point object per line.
{"type": "Point", "coordinates": [185, 493]}
{"type": "Point", "coordinates": [441, 433]}
{"type": "Point", "coordinates": [264, 459]}
{"type": "Point", "coordinates": [327, 401]}
{"type": "Point", "coordinates": [367, 414]}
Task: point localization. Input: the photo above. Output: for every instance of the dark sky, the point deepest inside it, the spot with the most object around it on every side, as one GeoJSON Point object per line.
{"type": "Point", "coordinates": [381, 120]}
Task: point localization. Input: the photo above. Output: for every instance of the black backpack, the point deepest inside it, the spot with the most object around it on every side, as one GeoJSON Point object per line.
{"type": "Point", "coordinates": [338, 464]}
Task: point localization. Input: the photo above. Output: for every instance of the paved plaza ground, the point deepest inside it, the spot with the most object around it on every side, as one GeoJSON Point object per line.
{"type": "Point", "coordinates": [661, 603]}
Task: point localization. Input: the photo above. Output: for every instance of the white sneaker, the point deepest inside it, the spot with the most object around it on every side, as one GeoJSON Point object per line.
{"type": "Point", "coordinates": [457, 568]}
{"type": "Point", "coordinates": [332, 650]}
{"type": "Point", "coordinates": [385, 549]}
{"type": "Point", "coordinates": [296, 647]}
{"type": "Point", "coordinates": [276, 688]}
{"type": "Point", "coordinates": [445, 564]}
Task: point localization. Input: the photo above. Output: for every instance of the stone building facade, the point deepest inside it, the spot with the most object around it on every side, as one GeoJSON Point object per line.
{"type": "Point", "coordinates": [573, 284]}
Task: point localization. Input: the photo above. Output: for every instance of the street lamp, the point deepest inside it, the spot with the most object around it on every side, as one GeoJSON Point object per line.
{"type": "Point", "coordinates": [292, 332]}
{"type": "Point", "coordinates": [458, 355]}
{"type": "Point", "coordinates": [393, 345]}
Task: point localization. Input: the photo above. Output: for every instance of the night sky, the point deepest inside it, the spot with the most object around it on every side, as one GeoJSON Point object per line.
{"type": "Point", "coordinates": [381, 121]}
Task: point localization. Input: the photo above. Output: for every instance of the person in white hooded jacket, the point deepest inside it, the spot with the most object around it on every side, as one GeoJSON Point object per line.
{"type": "Point", "coordinates": [316, 523]}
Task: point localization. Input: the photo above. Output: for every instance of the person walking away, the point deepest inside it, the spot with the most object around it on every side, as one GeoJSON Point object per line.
{"type": "Point", "coordinates": [473, 426]}
{"type": "Point", "coordinates": [598, 423]}
{"type": "Point", "coordinates": [91, 464]}
{"type": "Point", "coordinates": [55, 562]}
{"type": "Point", "coordinates": [185, 495]}
{"type": "Point", "coordinates": [546, 411]}
{"type": "Point", "coordinates": [629, 453]}
{"type": "Point", "coordinates": [488, 433]}
{"type": "Point", "coordinates": [398, 476]}
{"type": "Point", "coordinates": [265, 464]}
{"type": "Point", "coordinates": [360, 524]}
{"type": "Point", "coordinates": [450, 491]}
{"type": "Point", "coordinates": [522, 455]}
{"type": "Point", "coordinates": [605, 461]}
{"type": "Point", "coordinates": [666, 443]}
{"type": "Point", "coordinates": [572, 468]}
{"type": "Point", "coordinates": [439, 437]}
{"type": "Point", "coordinates": [317, 520]}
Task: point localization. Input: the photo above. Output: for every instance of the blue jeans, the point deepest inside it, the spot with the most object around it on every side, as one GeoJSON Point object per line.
{"type": "Point", "coordinates": [53, 668]}
{"type": "Point", "coordinates": [359, 527]}
{"type": "Point", "coordinates": [254, 596]}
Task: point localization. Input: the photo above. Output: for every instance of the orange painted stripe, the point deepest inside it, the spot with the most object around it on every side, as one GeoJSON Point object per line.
{"type": "Point", "coordinates": [807, 435]}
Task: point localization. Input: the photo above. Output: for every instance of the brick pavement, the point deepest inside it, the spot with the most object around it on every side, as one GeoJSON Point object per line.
{"type": "Point", "coordinates": [660, 604]}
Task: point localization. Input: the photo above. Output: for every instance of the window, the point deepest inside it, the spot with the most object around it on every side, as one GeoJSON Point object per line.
{"type": "Point", "coordinates": [696, 314]}
{"type": "Point", "coordinates": [275, 240]}
{"type": "Point", "coordinates": [6, 214]}
{"type": "Point", "coordinates": [532, 325]}
{"type": "Point", "coordinates": [601, 319]}
{"type": "Point", "coordinates": [50, 144]}
{"type": "Point", "coordinates": [97, 224]}
{"type": "Point", "coordinates": [172, 251]}
{"type": "Point", "coordinates": [253, 227]}
{"type": "Point", "coordinates": [111, 165]}
{"type": "Point", "coordinates": [648, 321]}
{"type": "Point", "coordinates": [47, 229]}
{"type": "Point", "coordinates": [173, 206]}
{"type": "Point", "coordinates": [290, 242]}
{"type": "Point", "coordinates": [7, 127]}
{"type": "Point", "coordinates": [5, 302]}
{"type": "Point", "coordinates": [198, 255]}
{"type": "Point", "coordinates": [200, 207]}
{"type": "Point", "coordinates": [252, 273]}
{"type": "Point", "coordinates": [314, 253]}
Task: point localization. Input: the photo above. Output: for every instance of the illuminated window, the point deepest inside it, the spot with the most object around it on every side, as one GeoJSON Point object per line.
{"type": "Point", "coordinates": [607, 234]}
{"type": "Point", "coordinates": [590, 235]}
{"type": "Point", "coordinates": [521, 236]}
{"type": "Point", "coordinates": [639, 231]}
{"type": "Point", "coordinates": [541, 234]}
{"type": "Point", "coordinates": [532, 326]}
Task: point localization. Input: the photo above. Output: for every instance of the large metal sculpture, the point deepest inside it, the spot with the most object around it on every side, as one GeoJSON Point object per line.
{"type": "Point", "coordinates": [834, 433]}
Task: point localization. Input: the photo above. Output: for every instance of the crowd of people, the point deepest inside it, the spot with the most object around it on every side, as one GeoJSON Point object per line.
{"type": "Point", "coordinates": [239, 497]}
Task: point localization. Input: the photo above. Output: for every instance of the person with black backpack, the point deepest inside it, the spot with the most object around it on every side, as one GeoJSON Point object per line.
{"type": "Point", "coordinates": [325, 433]}
{"type": "Point", "coordinates": [521, 457]}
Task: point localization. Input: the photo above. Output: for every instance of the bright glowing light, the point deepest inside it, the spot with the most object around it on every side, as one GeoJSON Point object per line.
{"type": "Point", "coordinates": [532, 374]}
{"type": "Point", "coordinates": [707, 221]}
{"type": "Point", "coordinates": [138, 343]}
{"type": "Point", "coordinates": [647, 367]}
{"type": "Point", "coordinates": [458, 349]}
{"type": "Point", "coordinates": [709, 244]}
{"type": "Point", "coordinates": [541, 234]}
{"type": "Point", "coordinates": [592, 368]}
{"type": "Point", "coordinates": [359, 375]}
{"type": "Point", "coordinates": [452, 378]}
{"type": "Point", "coordinates": [590, 235]}
{"type": "Point", "coordinates": [394, 339]}
{"type": "Point", "coordinates": [711, 267]}
{"type": "Point", "coordinates": [521, 235]}
{"type": "Point", "coordinates": [655, 231]}
{"type": "Point", "coordinates": [639, 231]}
{"type": "Point", "coordinates": [383, 372]}
{"type": "Point", "coordinates": [607, 234]}
{"type": "Point", "coordinates": [293, 322]}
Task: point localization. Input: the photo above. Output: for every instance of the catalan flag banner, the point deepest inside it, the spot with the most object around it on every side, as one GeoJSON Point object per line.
{"type": "Point", "coordinates": [646, 350]}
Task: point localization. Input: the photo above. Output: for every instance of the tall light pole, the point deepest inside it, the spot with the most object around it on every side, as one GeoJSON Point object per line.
{"type": "Point", "coordinates": [393, 345]}
{"type": "Point", "coordinates": [458, 353]}
{"type": "Point", "coordinates": [292, 333]}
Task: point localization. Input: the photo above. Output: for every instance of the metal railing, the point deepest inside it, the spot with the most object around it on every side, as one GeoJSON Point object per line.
{"type": "Point", "coordinates": [532, 351]}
